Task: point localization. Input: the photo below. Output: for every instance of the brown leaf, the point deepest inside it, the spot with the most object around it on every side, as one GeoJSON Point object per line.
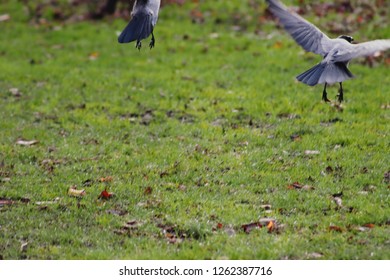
{"type": "Point", "coordinates": [148, 190]}
{"type": "Point", "coordinates": [295, 137]}
{"type": "Point", "coordinates": [335, 228]}
{"type": "Point", "coordinates": [106, 179]}
{"type": "Point", "coordinates": [298, 186]}
{"type": "Point", "coordinates": [271, 226]}
{"type": "Point", "coordinates": [369, 225]}
{"type": "Point", "coordinates": [249, 227]}
{"type": "Point", "coordinates": [93, 55]}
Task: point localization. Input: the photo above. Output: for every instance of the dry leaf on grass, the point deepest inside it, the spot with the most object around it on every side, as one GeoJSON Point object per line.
{"type": "Point", "coordinates": [5, 17]}
{"type": "Point", "coordinates": [106, 179]}
{"type": "Point", "coordinates": [269, 223]}
{"type": "Point", "coordinates": [335, 228]}
{"type": "Point", "coordinates": [6, 202]}
{"type": "Point", "coordinates": [15, 92]}
{"type": "Point", "coordinates": [93, 56]}
{"type": "Point", "coordinates": [22, 142]}
{"type": "Point", "coordinates": [105, 195]}
{"type": "Point", "coordinates": [73, 191]}
{"type": "Point", "coordinates": [298, 186]}
{"type": "Point", "coordinates": [312, 152]}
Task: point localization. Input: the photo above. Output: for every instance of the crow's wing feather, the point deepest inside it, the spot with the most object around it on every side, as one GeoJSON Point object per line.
{"type": "Point", "coordinates": [362, 49]}
{"type": "Point", "coordinates": [303, 32]}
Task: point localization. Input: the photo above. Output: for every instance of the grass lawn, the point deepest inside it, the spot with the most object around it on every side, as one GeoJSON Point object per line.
{"type": "Point", "coordinates": [199, 139]}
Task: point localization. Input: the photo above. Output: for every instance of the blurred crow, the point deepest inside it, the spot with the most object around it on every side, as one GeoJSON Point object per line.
{"type": "Point", "coordinates": [143, 19]}
{"type": "Point", "coordinates": [336, 53]}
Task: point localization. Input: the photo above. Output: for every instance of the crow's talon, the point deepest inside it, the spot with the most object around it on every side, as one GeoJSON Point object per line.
{"type": "Point", "coordinates": [151, 44]}
{"type": "Point", "coordinates": [138, 45]}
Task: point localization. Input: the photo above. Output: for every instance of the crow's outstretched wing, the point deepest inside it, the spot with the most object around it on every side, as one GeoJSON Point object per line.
{"type": "Point", "coordinates": [303, 32]}
{"type": "Point", "coordinates": [362, 49]}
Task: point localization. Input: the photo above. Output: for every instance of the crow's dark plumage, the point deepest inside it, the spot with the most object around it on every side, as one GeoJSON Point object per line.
{"type": "Point", "coordinates": [143, 19]}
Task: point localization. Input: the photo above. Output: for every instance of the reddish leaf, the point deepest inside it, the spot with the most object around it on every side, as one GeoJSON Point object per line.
{"type": "Point", "coordinates": [219, 225]}
{"type": "Point", "coordinates": [105, 195]}
{"type": "Point", "coordinates": [369, 225]}
{"type": "Point", "coordinates": [335, 228]}
{"type": "Point", "coordinates": [6, 202]}
{"type": "Point", "coordinates": [249, 227]}
{"type": "Point", "coordinates": [148, 190]}
{"type": "Point", "coordinates": [295, 185]}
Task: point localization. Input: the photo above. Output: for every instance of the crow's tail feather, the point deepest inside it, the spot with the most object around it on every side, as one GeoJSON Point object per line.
{"type": "Point", "coordinates": [139, 27]}
{"type": "Point", "coordinates": [329, 73]}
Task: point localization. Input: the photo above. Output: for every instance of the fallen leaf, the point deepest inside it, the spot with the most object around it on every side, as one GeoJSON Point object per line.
{"type": "Point", "coordinates": [386, 177]}
{"type": "Point", "coordinates": [6, 202]}
{"type": "Point", "coordinates": [312, 152]}
{"type": "Point", "coordinates": [88, 183]}
{"type": "Point", "coordinates": [93, 55]}
{"type": "Point", "coordinates": [15, 92]}
{"type": "Point", "coordinates": [298, 186]}
{"type": "Point", "coordinates": [338, 201]}
{"type": "Point", "coordinates": [105, 195]}
{"type": "Point", "coordinates": [271, 226]}
{"type": "Point", "coordinates": [266, 221]}
{"type": "Point", "coordinates": [249, 227]}
{"type": "Point", "coordinates": [335, 228]}
{"type": "Point", "coordinates": [278, 45]}
{"type": "Point", "coordinates": [23, 247]}
{"type": "Point", "coordinates": [219, 226]}
{"type": "Point", "coordinates": [106, 179]}
{"type": "Point", "coordinates": [369, 225]}
{"type": "Point", "coordinates": [148, 190]}
{"type": "Point", "coordinates": [266, 206]}
{"type": "Point", "coordinates": [75, 192]}
{"type": "Point", "coordinates": [40, 203]}
{"type": "Point", "coordinates": [22, 142]}
{"type": "Point", "coordinates": [295, 137]}
{"type": "Point", "coordinates": [5, 17]}
{"type": "Point", "coordinates": [315, 255]}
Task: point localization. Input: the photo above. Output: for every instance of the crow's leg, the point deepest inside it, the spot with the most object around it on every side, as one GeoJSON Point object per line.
{"type": "Point", "coordinates": [341, 93]}
{"type": "Point", "coordinates": [152, 41]}
{"type": "Point", "coordinates": [325, 94]}
{"type": "Point", "coordinates": [138, 45]}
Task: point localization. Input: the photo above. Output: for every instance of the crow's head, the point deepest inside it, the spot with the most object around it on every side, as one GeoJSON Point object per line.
{"type": "Point", "coordinates": [347, 38]}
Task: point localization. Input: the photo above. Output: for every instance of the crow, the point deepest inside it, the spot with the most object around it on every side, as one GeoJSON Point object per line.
{"type": "Point", "coordinates": [336, 52]}
{"type": "Point", "coordinates": [143, 19]}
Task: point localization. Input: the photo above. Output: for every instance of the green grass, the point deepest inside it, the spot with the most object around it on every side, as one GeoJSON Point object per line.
{"type": "Point", "coordinates": [196, 135]}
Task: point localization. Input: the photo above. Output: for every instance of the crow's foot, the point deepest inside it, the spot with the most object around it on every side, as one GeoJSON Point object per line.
{"type": "Point", "coordinates": [138, 45]}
